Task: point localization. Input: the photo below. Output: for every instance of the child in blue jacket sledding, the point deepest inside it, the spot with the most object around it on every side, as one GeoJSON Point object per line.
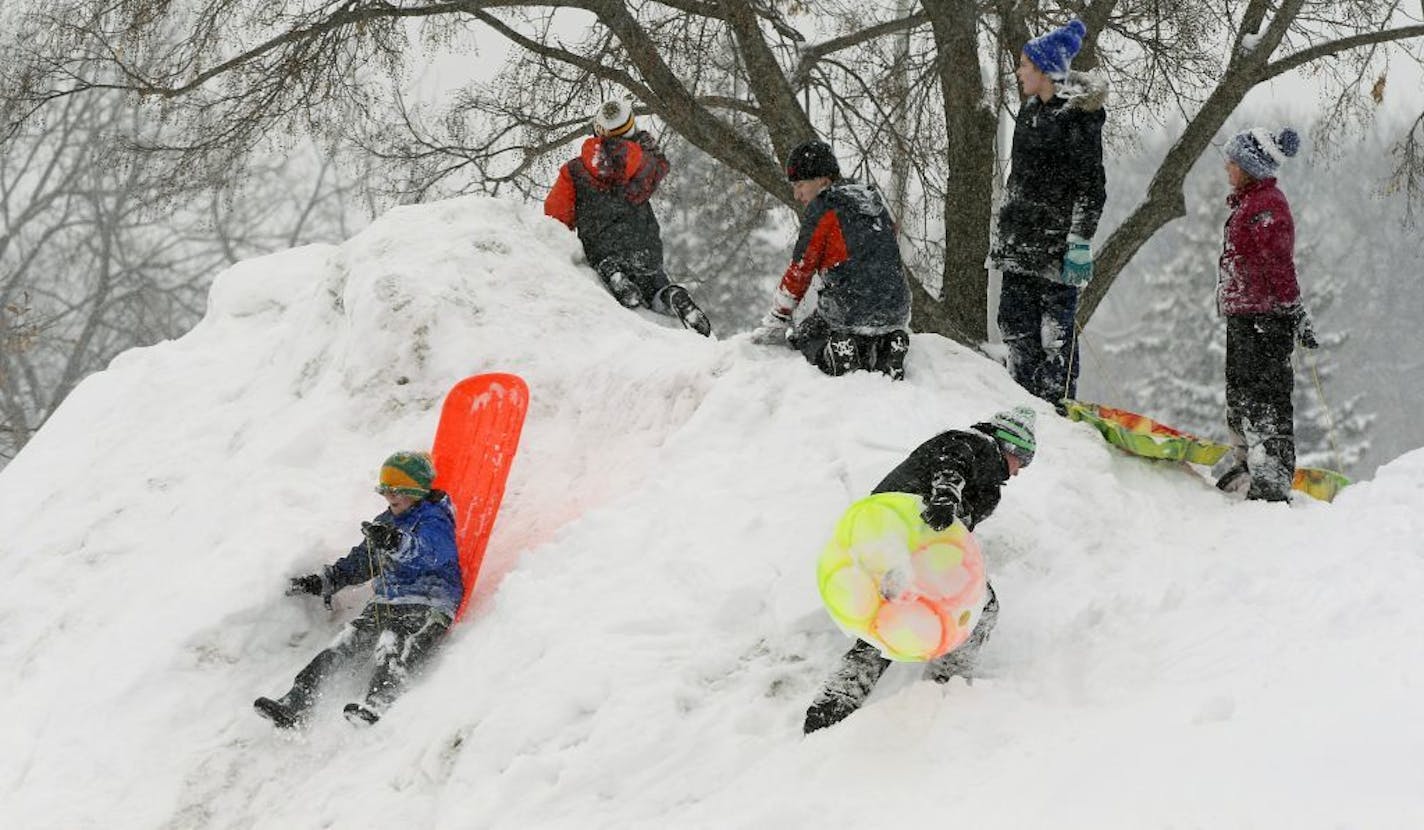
{"type": "Point", "coordinates": [410, 558]}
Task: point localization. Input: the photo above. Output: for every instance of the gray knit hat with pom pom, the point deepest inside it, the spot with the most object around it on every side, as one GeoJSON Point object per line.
{"type": "Point", "coordinates": [1260, 152]}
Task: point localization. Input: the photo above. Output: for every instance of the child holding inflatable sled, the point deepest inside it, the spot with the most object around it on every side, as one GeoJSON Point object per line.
{"type": "Point", "coordinates": [409, 555]}
{"type": "Point", "coordinates": [958, 474]}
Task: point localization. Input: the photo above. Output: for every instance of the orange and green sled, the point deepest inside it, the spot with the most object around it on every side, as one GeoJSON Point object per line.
{"type": "Point", "coordinates": [1140, 435]}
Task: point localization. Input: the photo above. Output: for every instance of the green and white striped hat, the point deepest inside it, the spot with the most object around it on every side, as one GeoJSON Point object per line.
{"type": "Point", "coordinates": [1014, 430]}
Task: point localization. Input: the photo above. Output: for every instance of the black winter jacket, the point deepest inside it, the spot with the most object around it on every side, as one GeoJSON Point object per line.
{"type": "Point", "coordinates": [971, 458]}
{"type": "Point", "coordinates": [1056, 185]}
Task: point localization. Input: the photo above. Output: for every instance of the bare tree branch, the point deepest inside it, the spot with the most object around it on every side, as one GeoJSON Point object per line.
{"type": "Point", "coordinates": [814, 53]}
{"type": "Point", "coordinates": [1335, 47]}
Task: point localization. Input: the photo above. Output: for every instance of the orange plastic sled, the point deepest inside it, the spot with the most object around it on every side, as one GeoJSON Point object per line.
{"type": "Point", "coordinates": [474, 448]}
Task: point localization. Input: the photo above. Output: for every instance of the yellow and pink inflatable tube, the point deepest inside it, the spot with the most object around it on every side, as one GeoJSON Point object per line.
{"type": "Point", "coordinates": [893, 581]}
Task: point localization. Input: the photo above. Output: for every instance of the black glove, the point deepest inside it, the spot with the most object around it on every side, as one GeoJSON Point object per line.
{"type": "Point", "coordinates": [1305, 329]}
{"type": "Point", "coordinates": [309, 584]}
{"type": "Point", "coordinates": [647, 142]}
{"type": "Point", "coordinates": [381, 536]}
{"type": "Point", "coordinates": [946, 489]}
{"type": "Point", "coordinates": [941, 515]}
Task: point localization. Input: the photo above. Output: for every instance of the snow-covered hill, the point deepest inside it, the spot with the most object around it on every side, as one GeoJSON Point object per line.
{"type": "Point", "coordinates": [648, 633]}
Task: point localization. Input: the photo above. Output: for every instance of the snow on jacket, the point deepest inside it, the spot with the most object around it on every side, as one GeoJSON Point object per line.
{"type": "Point", "coordinates": [848, 237]}
{"type": "Point", "coordinates": [1056, 184]}
{"type": "Point", "coordinates": [424, 567]}
{"type": "Point", "coordinates": [970, 457]}
{"type": "Point", "coordinates": [604, 193]}
{"type": "Point", "coordinates": [1256, 272]}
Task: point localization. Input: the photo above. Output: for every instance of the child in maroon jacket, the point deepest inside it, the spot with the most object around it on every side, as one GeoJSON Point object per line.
{"type": "Point", "coordinates": [1258, 295]}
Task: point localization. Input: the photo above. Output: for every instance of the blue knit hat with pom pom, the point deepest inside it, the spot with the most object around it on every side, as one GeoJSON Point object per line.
{"type": "Point", "coordinates": [1053, 52]}
{"type": "Point", "coordinates": [1260, 152]}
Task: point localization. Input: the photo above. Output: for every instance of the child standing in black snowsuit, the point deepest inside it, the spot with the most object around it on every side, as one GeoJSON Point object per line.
{"type": "Point", "coordinates": [409, 555]}
{"type": "Point", "coordinates": [847, 238]}
{"type": "Point", "coordinates": [604, 195]}
{"type": "Point", "coordinates": [958, 474]}
{"type": "Point", "coordinates": [1052, 203]}
{"type": "Point", "coordinates": [1258, 294]}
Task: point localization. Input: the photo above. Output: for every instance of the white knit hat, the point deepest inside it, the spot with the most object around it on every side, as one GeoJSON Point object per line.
{"type": "Point", "coordinates": [614, 118]}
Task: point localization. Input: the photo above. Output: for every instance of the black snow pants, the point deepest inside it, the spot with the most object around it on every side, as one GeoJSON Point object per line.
{"type": "Point", "coordinates": [401, 637]}
{"type": "Point", "coordinates": [1259, 413]}
{"type": "Point", "coordinates": [860, 669]}
{"type": "Point", "coordinates": [1036, 318]}
{"type": "Point", "coordinates": [837, 352]}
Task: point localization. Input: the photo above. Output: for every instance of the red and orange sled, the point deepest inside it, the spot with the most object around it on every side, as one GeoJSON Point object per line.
{"type": "Point", "coordinates": [475, 444]}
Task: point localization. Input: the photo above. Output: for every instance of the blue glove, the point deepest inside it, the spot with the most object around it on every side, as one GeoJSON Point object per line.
{"type": "Point", "coordinates": [1078, 262]}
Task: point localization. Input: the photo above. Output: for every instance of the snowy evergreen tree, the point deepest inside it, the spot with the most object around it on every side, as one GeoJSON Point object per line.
{"type": "Point", "coordinates": [1179, 343]}
{"type": "Point", "coordinates": [729, 250]}
{"type": "Point", "coordinates": [1330, 431]}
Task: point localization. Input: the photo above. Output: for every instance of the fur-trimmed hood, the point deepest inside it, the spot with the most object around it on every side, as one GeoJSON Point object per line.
{"type": "Point", "coordinates": [1086, 91]}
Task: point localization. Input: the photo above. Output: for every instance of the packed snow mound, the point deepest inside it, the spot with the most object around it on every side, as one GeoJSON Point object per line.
{"type": "Point", "coordinates": [647, 632]}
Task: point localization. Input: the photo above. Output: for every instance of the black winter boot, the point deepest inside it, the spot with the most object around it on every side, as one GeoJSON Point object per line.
{"type": "Point", "coordinates": [360, 715]}
{"type": "Point", "coordinates": [847, 688]}
{"type": "Point", "coordinates": [1236, 479]}
{"type": "Point", "coordinates": [687, 311]}
{"type": "Point", "coordinates": [891, 352]}
{"type": "Point", "coordinates": [623, 289]}
{"type": "Point", "coordinates": [841, 355]}
{"type": "Point", "coordinates": [290, 710]}
{"type": "Point", "coordinates": [828, 710]}
{"type": "Point", "coordinates": [1271, 478]}
{"type": "Point", "coordinates": [286, 712]}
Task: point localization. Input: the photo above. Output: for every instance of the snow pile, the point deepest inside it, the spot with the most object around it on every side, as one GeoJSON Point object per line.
{"type": "Point", "coordinates": [648, 633]}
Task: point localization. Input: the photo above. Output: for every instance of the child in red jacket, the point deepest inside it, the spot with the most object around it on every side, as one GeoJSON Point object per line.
{"type": "Point", "coordinates": [1258, 295]}
{"type": "Point", "coordinates": [604, 194]}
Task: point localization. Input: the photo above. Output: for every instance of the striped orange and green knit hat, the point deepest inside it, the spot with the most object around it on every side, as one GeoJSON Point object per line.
{"type": "Point", "coordinates": [407, 474]}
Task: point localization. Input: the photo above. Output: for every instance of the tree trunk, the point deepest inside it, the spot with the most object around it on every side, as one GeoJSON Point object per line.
{"type": "Point", "coordinates": [784, 118]}
{"type": "Point", "coordinates": [961, 312]}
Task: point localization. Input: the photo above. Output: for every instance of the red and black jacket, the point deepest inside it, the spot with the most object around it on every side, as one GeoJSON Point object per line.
{"type": "Point", "coordinates": [603, 194]}
{"type": "Point", "coordinates": [1256, 272]}
{"type": "Point", "coordinates": [848, 236]}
